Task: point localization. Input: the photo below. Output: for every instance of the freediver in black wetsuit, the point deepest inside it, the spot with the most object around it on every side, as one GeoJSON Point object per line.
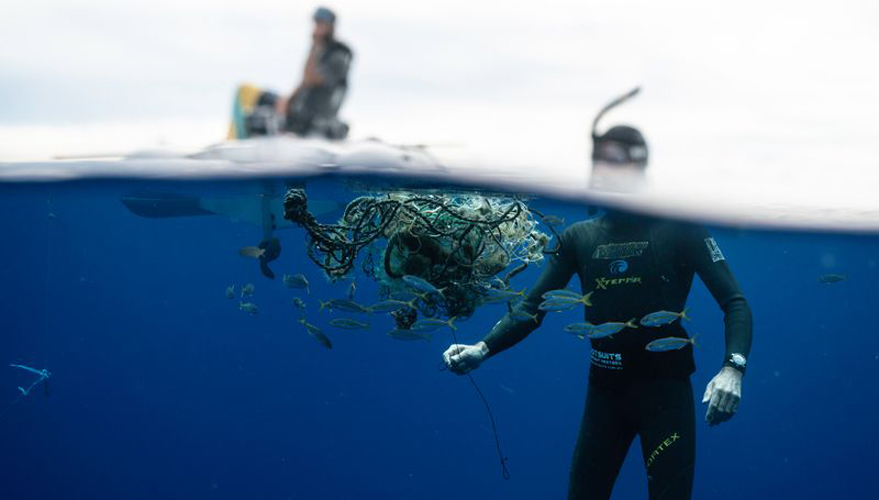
{"type": "Point", "coordinates": [634, 266]}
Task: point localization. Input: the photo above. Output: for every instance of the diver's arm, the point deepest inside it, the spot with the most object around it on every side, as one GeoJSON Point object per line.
{"type": "Point", "coordinates": [714, 271]}
{"type": "Point", "coordinates": [558, 271]}
{"type": "Point", "coordinates": [724, 391]}
{"type": "Point", "coordinates": [507, 332]}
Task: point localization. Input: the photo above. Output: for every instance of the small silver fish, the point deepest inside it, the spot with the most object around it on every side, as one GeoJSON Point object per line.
{"type": "Point", "coordinates": [40, 373]}
{"type": "Point", "coordinates": [349, 324]}
{"type": "Point", "coordinates": [43, 375]}
{"type": "Point", "coordinates": [252, 252]}
{"type": "Point", "coordinates": [408, 335]}
{"type": "Point", "coordinates": [346, 305]}
{"type": "Point", "coordinates": [296, 281]}
{"type": "Point", "coordinates": [404, 295]}
{"type": "Point", "coordinates": [660, 318]}
{"type": "Point", "coordinates": [560, 297]}
{"type": "Point", "coordinates": [420, 284]}
{"type": "Point", "coordinates": [832, 278]}
{"type": "Point", "coordinates": [553, 220]}
{"type": "Point", "coordinates": [324, 304]}
{"type": "Point", "coordinates": [352, 289]}
{"type": "Point", "coordinates": [248, 307]}
{"type": "Point", "coordinates": [501, 296]}
{"type": "Point", "coordinates": [580, 328]}
{"type": "Point", "coordinates": [391, 305]}
{"type": "Point", "coordinates": [230, 292]}
{"type": "Point", "coordinates": [669, 344]}
{"type": "Point", "coordinates": [495, 299]}
{"type": "Point", "coordinates": [562, 293]}
{"type": "Point", "coordinates": [520, 315]}
{"type": "Point", "coordinates": [247, 290]}
{"type": "Point", "coordinates": [424, 296]}
{"type": "Point", "coordinates": [555, 306]}
{"type": "Point", "coordinates": [431, 324]}
{"type": "Point", "coordinates": [307, 325]}
{"type": "Point", "coordinates": [562, 304]}
{"type": "Point", "coordinates": [297, 302]}
{"type": "Point", "coordinates": [316, 333]}
{"type": "Point", "coordinates": [610, 328]}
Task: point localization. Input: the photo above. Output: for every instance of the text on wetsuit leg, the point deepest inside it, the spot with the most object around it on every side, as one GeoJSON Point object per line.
{"type": "Point", "coordinates": [662, 446]}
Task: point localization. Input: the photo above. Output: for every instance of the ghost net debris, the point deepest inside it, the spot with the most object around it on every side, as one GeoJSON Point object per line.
{"type": "Point", "coordinates": [458, 242]}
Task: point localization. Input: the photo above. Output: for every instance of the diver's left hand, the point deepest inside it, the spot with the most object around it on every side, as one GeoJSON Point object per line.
{"type": "Point", "coordinates": [723, 395]}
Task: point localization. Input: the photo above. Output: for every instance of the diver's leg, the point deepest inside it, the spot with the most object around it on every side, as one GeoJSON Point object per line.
{"type": "Point", "coordinates": [668, 437]}
{"type": "Point", "coordinates": [604, 439]}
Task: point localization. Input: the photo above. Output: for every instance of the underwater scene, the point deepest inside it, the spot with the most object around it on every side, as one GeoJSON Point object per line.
{"type": "Point", "coordinates": [291, 339]}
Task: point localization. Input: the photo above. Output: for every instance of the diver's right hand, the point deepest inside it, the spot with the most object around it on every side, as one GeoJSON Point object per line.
{"type": "Point", "coordinates": [463, 359]}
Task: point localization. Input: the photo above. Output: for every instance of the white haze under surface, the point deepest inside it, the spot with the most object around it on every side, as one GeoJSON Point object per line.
{"type": "Point", "coordinates": [766, 108]}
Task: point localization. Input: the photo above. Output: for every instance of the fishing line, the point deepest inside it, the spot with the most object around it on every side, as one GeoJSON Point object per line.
{"type": "Point", "coordinates": [505, 473]}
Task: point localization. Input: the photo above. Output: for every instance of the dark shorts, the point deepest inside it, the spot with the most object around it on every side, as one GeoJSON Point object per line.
{"type": "Point", "coordinates": [661, 412]}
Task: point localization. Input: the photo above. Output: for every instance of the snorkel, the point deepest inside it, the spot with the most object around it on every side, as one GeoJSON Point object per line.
{"type": "Point", "coordinates": [609, 106]}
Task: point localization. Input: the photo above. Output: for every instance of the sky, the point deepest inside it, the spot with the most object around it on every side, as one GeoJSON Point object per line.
{"type": "Point", "coordinates": [772, 95]}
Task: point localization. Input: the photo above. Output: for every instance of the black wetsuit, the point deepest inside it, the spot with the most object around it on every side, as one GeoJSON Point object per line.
{"type": "Point", "coordinates": [635, 266]}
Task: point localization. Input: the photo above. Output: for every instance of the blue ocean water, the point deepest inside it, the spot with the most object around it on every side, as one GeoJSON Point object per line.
{"type": "Point", "coordinates": [162, 388]}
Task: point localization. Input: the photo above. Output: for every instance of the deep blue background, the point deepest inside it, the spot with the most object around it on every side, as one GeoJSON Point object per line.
{"type": "Point", "coordinates": [162, 388]}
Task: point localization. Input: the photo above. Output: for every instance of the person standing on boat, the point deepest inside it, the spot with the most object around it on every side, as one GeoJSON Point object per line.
{"type": "Point", "coordinates": [635, 275]}
{"type": "Point", "coordinates": [313, 106]}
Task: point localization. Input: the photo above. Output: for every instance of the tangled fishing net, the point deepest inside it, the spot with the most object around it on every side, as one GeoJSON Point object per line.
{"type": "Point", "coordinates": [457, 242]}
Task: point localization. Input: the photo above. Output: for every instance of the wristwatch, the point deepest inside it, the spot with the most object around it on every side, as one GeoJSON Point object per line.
{"type": "Point", "coordinates": [737, 361]}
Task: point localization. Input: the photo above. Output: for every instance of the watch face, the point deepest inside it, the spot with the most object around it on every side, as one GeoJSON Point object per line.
{"type": "Point", "coordinates": [738, 359]}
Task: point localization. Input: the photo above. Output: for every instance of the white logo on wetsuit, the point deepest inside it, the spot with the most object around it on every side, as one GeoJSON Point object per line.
{"type": "Point", "coordinates": [608, 360]}
{"type": "Point", "coordinates": [713, 249]}
{"type": "Point", "coordinates": [620, 250]}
